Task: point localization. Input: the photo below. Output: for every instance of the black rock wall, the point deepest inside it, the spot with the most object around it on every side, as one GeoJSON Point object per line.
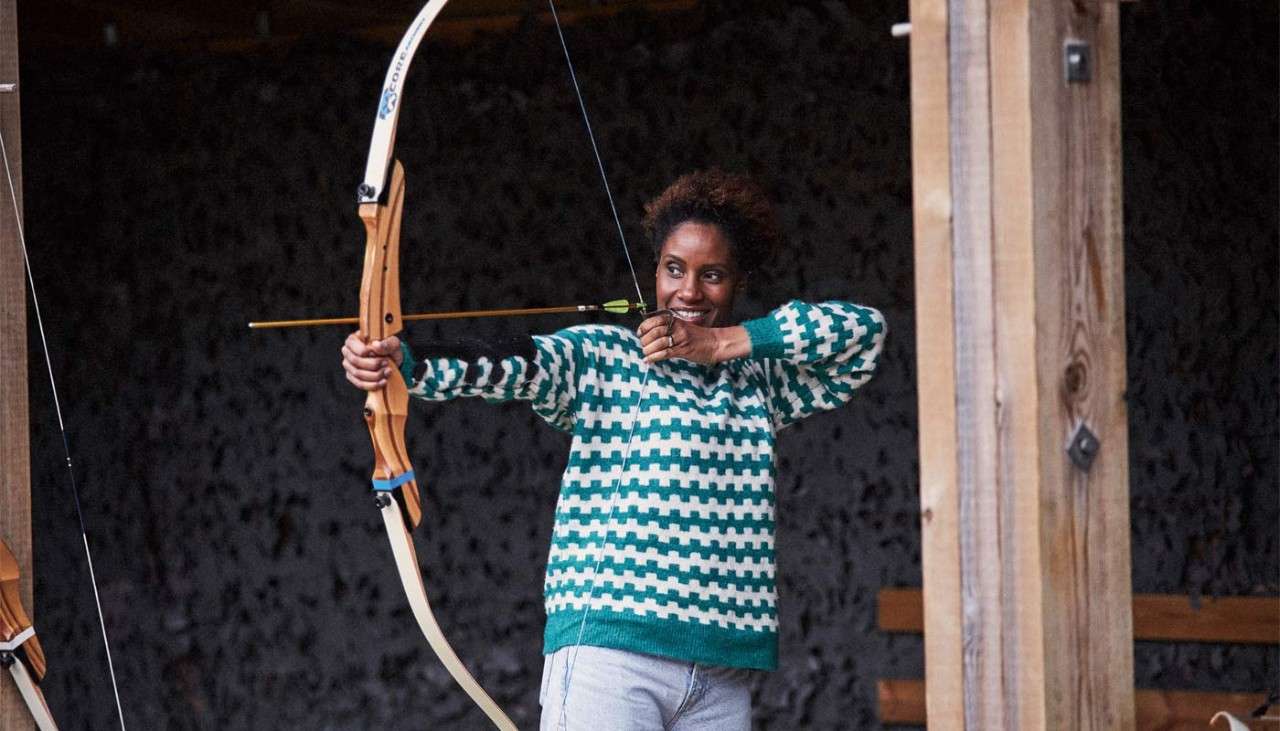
{"type": "Point", "coordinates": [244, 574]}
{"type": "Point", "coordinates": [1201, 250]}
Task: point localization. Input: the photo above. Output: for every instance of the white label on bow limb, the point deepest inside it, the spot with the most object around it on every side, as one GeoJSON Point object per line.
{"type": "Point", "coordinates": [384, 123]}
{"type": "Point", "coordinates": [18, 639]}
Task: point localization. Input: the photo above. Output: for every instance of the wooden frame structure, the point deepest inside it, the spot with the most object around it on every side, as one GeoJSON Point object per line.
{"type": "Point", "coordinates": [1020, 320]}
{"type": "Point", "coordinates": [15, 423]}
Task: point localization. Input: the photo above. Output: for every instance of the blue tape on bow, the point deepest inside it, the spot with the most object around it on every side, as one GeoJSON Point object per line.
{"type": "Point", "coordinates": [393, 483]}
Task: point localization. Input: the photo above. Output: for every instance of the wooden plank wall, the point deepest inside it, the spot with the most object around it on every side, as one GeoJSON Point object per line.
{"type": "Point", "coordinates": [1020, 322]}
{"type": "Point", "coordinates": [15, 448]}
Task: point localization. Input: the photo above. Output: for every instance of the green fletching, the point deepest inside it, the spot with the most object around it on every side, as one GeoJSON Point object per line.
{"type": "Point", "coordinates": [621, 307]}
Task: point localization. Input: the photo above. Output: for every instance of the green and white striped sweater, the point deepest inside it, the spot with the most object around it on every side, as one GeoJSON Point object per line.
{"type": "Point", "coordinates": [686, 562]}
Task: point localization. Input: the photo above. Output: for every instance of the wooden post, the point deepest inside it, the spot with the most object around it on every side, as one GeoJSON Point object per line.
{"type": "Point", "coordinates": [935, 353]}
{"type": "Point", "coordinates": [15, 446]}
{"type": "Point", "coordinates": [1020, 315]}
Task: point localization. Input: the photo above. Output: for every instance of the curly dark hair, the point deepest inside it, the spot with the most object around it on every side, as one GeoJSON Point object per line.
{"type": "Point", "coordinates": [733, 202]}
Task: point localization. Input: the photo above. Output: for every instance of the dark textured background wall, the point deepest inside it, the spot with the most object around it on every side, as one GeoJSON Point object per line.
{"type": "Point", "coordinates": [244, 574]}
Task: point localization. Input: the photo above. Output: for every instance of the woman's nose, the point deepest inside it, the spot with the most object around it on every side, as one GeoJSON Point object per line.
{"type": "Point", "coordinates": [690, 290]}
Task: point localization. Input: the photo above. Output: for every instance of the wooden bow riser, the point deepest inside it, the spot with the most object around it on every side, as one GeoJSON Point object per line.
{"type": "Point", "coordinates": [387, 409]}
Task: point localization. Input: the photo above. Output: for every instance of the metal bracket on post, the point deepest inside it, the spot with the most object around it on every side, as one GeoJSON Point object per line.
{"type": "Point", "coordinates": [1083, 447]}
{"type": "Point", "coordinates": [1076, 62]}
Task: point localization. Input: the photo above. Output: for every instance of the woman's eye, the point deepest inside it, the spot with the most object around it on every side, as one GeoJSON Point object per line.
{"type": "Point", "coordinates": [713, 277]}
{"type": "Point", "coordinates": [673, 270]}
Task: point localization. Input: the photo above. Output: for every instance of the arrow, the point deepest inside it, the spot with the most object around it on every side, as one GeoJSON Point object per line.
{"type": "Point", "coordinates": [617, 307]}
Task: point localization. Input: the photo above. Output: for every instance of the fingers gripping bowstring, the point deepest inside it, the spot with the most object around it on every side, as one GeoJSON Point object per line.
{"type": "Point", "coordinates": [57, 406]}
{"type": "Point", "coordinates": [635, 418]}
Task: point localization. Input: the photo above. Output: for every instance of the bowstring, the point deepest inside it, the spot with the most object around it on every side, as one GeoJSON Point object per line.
{"type": "Point", "coordinates": [635, 419]}
{"type": "Point", "coordinates": [66, 441]}
{"type": "Point", "coordinates": [604, 178]}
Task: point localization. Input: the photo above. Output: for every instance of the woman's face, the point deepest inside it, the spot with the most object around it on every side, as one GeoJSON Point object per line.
{"type": "Point", "coordinates": [697, 276]}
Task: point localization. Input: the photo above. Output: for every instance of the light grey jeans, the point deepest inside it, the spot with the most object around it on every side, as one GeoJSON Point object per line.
{"type": "Point", "coordinates": [615, 690]}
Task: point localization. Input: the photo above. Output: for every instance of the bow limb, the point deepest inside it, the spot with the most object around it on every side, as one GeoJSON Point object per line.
{"type": "Point", "coordinates": [375, 183]}
{"type": "Point", "coordinates": [20, 649]}
{"type": "Point", "coordinates": [415, 589]}
{"type": "Point", "coordinates": [31, 694]}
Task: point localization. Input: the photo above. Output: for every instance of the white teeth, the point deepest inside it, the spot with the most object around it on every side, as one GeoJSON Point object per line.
{"type": "Point", "coordinates": [688, 314]}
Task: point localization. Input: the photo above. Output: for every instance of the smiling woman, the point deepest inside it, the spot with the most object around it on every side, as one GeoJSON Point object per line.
{"type": "Point", "coordinates": [698, 275]}
{"type": "Point", "coordinates": [660, 588]}
{"type": "Point", "coordinates": [709, 231]}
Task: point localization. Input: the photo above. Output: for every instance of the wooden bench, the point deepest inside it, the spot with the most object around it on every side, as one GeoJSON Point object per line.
{"type": "Point", "coordinates": [1158, 617]}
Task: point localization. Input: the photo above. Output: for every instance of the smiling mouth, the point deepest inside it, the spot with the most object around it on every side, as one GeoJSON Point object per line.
{"type": "Point", "coordinates": [691, 315]}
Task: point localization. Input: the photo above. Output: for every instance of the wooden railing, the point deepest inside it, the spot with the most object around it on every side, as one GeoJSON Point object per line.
{"type": "Point", "coordinates": [1159, 617]}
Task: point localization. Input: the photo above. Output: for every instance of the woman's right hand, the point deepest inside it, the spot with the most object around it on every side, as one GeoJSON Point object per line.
{"type": "Point", "coordinates": [369, 364]}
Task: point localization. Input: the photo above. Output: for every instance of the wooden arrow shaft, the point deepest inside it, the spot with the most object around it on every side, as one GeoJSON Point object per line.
{"type": "Point", "coordinates": [456, 315]}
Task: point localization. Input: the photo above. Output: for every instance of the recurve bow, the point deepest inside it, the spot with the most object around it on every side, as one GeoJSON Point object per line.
{"type": "Point", "coordinates": [381, 199]}
{"type": "Point", "coordinates": [381, 203]}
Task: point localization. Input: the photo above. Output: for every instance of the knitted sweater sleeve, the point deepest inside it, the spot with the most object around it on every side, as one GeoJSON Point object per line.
{"type": "Point", "coordinates": [815, 355]}
{"type": "Point", "coordinates": [542, 369]}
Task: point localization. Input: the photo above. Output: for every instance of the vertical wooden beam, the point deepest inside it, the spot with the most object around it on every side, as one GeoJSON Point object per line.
{"type": "Point", "coordinates": [982, 550]}
{"type": "Point", "coordinates": [1088, 622]}
{"type": "Point", "coordinates": [15, 448]}
{"type": "Point", "coordinates": [1020, 319]}
{"type": "Point", "coordinates": [935, 352]}
{"type": "Point", "coordinates": [1010, 143]}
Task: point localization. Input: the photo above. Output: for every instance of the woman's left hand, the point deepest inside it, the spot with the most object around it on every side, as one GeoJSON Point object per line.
{"type": "Point", "coordinates": [664, 336]}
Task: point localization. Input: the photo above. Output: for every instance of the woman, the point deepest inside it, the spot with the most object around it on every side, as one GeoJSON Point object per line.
{"type": "Point", "coordinates": [659, 591]}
